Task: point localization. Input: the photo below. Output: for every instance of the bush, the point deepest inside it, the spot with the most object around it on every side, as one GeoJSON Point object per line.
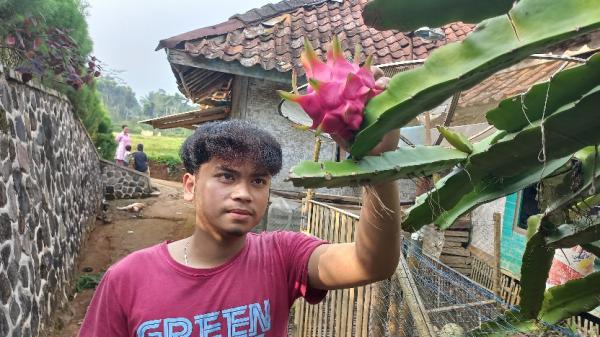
{"type": "Point", "coordinates": [172, 162]}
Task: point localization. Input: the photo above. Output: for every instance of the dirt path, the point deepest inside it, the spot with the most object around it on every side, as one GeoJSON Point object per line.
{"type": "Point", "coordinates": [165, 217]}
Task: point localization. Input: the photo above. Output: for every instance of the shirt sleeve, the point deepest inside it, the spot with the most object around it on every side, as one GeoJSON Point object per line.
{"type": "Point", "coordinates": [104, 316]}
{"type": "Point", "coordinates": [296, 249]}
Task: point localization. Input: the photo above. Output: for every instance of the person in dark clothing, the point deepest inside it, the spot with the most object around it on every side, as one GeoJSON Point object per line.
{"type": "Point", "coordinates": [140, 160]}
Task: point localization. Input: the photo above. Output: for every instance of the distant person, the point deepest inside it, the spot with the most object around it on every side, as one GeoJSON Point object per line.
{"type": "Point", "coordinates": [127, 155]}
{"type": "Point", "coordinates": [140, 160]}
{"type": "Point", "coordinates": [122, 140]}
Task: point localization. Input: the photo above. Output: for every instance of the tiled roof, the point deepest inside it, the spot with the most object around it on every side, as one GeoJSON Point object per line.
{"type": "Point", "coordinates": [272, 36]}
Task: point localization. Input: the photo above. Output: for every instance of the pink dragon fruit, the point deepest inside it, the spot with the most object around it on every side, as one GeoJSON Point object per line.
{"type": "Point", "coordinates": [338, 90]}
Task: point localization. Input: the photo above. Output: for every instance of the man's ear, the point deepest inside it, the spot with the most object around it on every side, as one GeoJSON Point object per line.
{"type": "Point", "coordinates": [189, 180]}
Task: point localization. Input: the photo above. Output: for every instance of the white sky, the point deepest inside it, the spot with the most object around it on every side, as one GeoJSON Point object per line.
{"type": "Point", "coordinates": [125, 33]}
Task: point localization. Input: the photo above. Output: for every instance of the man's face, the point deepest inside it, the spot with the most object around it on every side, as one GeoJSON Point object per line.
{"type": "Point", "coordinates": [126, 130]}
{"type": "Point", "coordinates": [230, 199]}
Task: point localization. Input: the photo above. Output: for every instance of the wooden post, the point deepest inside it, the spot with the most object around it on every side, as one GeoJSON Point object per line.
{"type": "Point", "coordinates": [427, 129]}
{"type": "Point", "coordinates": [380, 300]}
{"type": "Point", "coordinates": [497, 251]}
{"type": "Point", "coordinates": [413, 300]}
{"type": "Point", "coordinates": [309, 192]}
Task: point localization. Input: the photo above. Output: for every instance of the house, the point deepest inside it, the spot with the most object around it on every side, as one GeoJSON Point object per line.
{"type": "Point", "coordinates": [234, 68]}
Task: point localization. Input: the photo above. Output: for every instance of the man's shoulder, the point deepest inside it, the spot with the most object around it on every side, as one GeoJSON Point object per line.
{"type": "Point", "coordinates": [281, 238]}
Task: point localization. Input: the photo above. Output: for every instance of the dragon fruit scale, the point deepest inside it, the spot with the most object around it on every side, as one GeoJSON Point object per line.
{"type": "Point", "coordinates": [338, 90]}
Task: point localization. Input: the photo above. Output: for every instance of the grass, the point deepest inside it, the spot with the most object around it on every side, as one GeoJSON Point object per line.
{"type": "Point", "coordinates": [161, 149]}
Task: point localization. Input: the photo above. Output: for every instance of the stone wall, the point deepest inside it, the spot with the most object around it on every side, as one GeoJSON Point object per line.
{"type": "Point", "coordinates": [124, 183]}
{"type": "Point", "coordinates": [50, 193]}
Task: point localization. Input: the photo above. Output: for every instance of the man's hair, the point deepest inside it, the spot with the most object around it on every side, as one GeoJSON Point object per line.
{"type": "Point", "coordinates": [140, 147]}
{"type": "Point", "coordinates": [128, 147]}
{"type": "Point", "coordinates": [233, 141]}
{"type": "Point", "coordinates": [123, 126]}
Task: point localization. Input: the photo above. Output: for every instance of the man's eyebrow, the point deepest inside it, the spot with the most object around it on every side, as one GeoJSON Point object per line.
{"type": "Point", "coordinates": [227, 169]}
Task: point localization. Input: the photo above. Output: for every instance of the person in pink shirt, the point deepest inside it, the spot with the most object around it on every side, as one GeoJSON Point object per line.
{"type": "Point", "coordinates": [122, 140]}
{"type": "Point", "coordinates": [225, 280]}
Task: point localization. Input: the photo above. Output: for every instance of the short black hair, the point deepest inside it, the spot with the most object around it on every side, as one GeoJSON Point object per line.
{"type": "Point", "coordinates": [128, 147]}
{"type": "Point", "coordinates": [140, 147]}
{"type": "Point", "coordinates": [231, 140]}
{"type": "Point", "coordinates": [123, 126]}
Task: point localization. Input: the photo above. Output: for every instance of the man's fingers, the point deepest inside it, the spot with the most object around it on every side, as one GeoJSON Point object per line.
{"type": "Point", "coordinates": [383, 82]}
{"type": "Point", "coordinates": [377, 73]}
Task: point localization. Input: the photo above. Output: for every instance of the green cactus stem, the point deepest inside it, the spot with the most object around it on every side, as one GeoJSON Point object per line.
{"type": "Point", "coordinates": [497, 43]}
{"type": "Point", "coordinates": [403, 163]}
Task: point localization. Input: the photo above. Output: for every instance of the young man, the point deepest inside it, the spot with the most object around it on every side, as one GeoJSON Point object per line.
{"type": "Point", "coordinates": [224, 280]}
{"type": "Point", "coordinates": [140, 160]}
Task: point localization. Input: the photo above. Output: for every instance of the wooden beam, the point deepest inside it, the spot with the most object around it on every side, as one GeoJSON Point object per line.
{"type": "Point", "coordinates": [191, 121]}
{"type": "Point", "coordinates": [461, 306]}
{"type": "Point", "coordinates": [234, 67]}
{"type": "Point", "coordinates": [413, 300]}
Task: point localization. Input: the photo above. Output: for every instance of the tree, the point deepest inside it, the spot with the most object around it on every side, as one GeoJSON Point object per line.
{"type": "Point", "coordinates": [119, 99]}
{"type": "Point", "coordinates": [159, 103]}
{"type": "Point", "coordinates": [50, 39]}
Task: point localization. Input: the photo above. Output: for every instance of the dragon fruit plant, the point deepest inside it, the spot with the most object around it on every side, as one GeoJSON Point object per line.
{"type": "Point", "coordinates": [338, 90]}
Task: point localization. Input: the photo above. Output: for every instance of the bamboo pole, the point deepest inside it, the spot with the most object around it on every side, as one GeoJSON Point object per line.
{"type": "Point", "coordinates": [497, 251]}
{"type": "Point", "coordinates": [309, 192]}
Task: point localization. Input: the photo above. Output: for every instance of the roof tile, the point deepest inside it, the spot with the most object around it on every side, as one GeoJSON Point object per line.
{"type": "Point", "coordinates": [278, 44]}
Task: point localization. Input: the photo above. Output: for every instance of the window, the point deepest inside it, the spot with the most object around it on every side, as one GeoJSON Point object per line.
{"type": "Point", "coordinates": [528, 206]}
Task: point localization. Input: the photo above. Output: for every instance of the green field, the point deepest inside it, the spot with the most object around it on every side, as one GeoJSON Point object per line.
{"type": "Point", "coordinates": [158, 148]}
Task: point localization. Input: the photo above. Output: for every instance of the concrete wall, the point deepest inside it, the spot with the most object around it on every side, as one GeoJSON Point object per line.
{"type": "Point", "coordinates": [257, 103]}
{"type": "Point", "coordinates": [482, 219]}
{"type": "Point", "coordinates": [124, 183]}
{"type": "Point", "coordinates": [50, 192]}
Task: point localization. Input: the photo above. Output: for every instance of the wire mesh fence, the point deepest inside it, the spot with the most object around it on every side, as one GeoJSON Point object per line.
{"type": "Point", "coordinates": [425, 298]}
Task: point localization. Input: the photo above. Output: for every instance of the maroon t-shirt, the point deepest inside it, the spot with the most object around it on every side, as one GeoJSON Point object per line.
{"type": "Point", "coordinates": [149, 294]}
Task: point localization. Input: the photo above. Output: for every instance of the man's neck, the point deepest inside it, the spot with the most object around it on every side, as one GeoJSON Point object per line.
{"type": "Point", "coordinates": [205, 251]}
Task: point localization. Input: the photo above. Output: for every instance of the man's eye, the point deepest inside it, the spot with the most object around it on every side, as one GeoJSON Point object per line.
{"type": "Point", "coordinates": [226, 176]}
{"type": "Point", "coordinates": [260, 181]}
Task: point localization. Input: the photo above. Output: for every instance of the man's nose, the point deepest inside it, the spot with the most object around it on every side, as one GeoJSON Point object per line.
{"type": "Point", "coordinates": [241, 192]}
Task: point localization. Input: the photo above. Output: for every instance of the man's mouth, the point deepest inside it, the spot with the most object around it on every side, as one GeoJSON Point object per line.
{"type": "Point", "coordinates": [239, 211]}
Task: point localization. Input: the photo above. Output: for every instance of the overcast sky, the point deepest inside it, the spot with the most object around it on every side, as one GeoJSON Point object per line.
{"type": "Point", "coordinates": [125, 33]}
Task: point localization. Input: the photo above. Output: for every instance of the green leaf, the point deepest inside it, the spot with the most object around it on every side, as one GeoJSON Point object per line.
{"type": "Point", "coordinates": [571, 298]}
{"type": "Point", "coordinates": [511, 163]}
{"type": "Point", "coordinates": [533, 224]}
{"type": "Point", "coordinates": [570, 235]}
{"type": "Point", "coordinates": [456, 139]}
{"type": "Point", "coordinates": [537, 260]}
{"type": "Point", "coordinates": [590, 171]}
{"type": "Point", "coordinates": [403, 163]}
{"type": "Point", "coordinates": [588, 203]}
{"type": "Point", "coordinates": [571, 128]}
{"type": "Point", "coordinates": [471, 194]}
{"type": "Point", "coordinates": [408, 15]}
{"type": "Point", "coordinates": [565, 87]}
{"type": "Point", "coordinates": [593, 247]}
{"type": "Point", "coordinates": [496, 44]}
